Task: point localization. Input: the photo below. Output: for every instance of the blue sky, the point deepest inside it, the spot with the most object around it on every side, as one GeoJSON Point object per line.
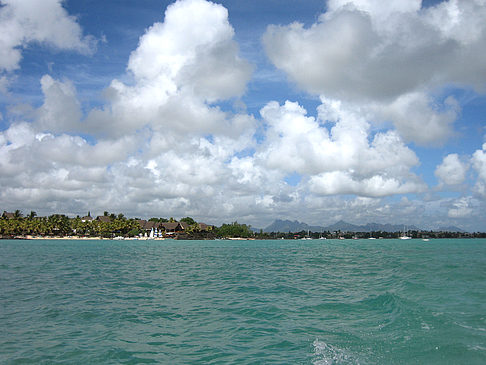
{"type": "Point", "coordinates": [246, 110]}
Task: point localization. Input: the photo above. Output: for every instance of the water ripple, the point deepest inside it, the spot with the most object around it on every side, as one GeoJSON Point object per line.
{"type": "Point", "coordinates": [333, 302]}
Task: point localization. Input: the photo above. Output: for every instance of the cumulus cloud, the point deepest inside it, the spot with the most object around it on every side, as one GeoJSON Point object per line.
{"type": "Point", "coordinates": [4, 83]}
{"type": "Point", "coordinates": [61, 111]}
{"type": "Point", "coordinates": [417, 117]}
{"type": "Point", "coordinates": [390, 55]}
{"type": "Point", "coordinates": [24, 150]}
{"type": "Point", "coordinates": [40, 21]}
{"type": "Point", "coordinates": [341, 159]}
{"type": "Point", "coordinates": [381, 50]}
{"type": "Point", "coordinates": [461, 208]}
{"type": "Point", "coordinates": [479, 163]}
{"type": "Point", "coordinates": [376, 8]}
{"type": "Point", "coordinates": [158, 141]}
{"type": "Point", "coordinates": [452, 171]}
{"type": "Point", "coordinates": [193, 50]}
{"type": "Point", "coordinates": [337, 182]}
{"type": "Point", "coordinates": [179, 67]}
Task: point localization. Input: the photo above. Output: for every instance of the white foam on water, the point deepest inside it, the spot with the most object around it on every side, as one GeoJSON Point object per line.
{"type": "Point", "coordinates": [326, 354]}
{"type": "Point", "coordinates": [481, 329]}
{"type": "Point", "coordinates": [477, 348]}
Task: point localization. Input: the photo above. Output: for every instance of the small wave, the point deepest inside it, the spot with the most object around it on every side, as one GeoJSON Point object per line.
{"type": "Point", "coordinates": [477, 348]}
{"type": "Point", "coordinates": [387, 301]}
{"type": "Point", "coordinates": [326, 354]}
{"type": "Point", "coordinates": [481, 329]}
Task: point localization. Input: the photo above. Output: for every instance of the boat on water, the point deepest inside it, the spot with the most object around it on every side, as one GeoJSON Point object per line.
{"type": "Point", "coordinates": [308, 237]}
{"type": "Point", "coordinates": [404, 236]}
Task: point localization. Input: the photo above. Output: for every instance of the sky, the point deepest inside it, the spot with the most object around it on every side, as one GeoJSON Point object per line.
{"type": "Point", "coordinates": [250, 111]}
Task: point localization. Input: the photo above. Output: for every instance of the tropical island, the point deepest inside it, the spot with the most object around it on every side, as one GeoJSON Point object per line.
{"type": "Point", "coordinates": [14, 225]}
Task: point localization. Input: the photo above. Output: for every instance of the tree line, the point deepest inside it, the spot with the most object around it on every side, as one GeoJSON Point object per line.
{"type": "Point", "coordinates": [61, 225]}
{"type": "Point", "coordinates": [117, 225]}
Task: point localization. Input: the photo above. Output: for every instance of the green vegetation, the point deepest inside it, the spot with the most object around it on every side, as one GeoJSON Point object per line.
{"type": "Point", "coordinates": [160, 220]}
{"type": "Point", "coordinates": [62, 226]}
{"type": "Point", "coordinates": [188, 220]}
{"type": "Point", "coordinates": [234, 230]}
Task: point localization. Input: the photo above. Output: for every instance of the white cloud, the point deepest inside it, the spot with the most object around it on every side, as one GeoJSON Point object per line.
{"type": "Point", "coordinates": [61, 111]}
{"type": "Point", "coordinates": [461, 208]}
{"type": "Point", "coordinates": [388, 56]}
{"type": "Point", "coordinates": [41, 21]}
{"type": "Point", "coordinates": [179, 66]}
{"type": "Point", "coordinates": [24, 151]}
{"type": "Point", "coordinates": [418, 118]}
{"type": "Point", "coordinates": [343, 159]}
{"type": "Point", "coordinates": [326, 57]}
{"type": "Point", "coordinates": [452, 171]}
{"type": "Point", "coordinates": [479, 163]}
{"type": "Point", "coordinates": [378, 9]}
{"type": "Point", "coordinates": [4, 83]}
{"type": "Point", "coordinates": [192, 50]}
{"type": "Point", "coordinates": [371, 49]}
{"type": "Point", "coordinates": [338, 182]}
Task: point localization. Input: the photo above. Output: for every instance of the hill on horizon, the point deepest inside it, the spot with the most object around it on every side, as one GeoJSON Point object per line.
{"type": "Point", "coordinates": [284, 225]}
{"type": "Point", "coordinates": [290, 226]}
{"type": "Point", "coordinates": [451, 229]}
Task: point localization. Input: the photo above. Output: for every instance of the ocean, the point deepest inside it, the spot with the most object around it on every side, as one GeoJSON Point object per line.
{"type": "Point", "coordinates": [243, 302]}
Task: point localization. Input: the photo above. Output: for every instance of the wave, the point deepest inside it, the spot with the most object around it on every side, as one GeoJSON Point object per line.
{"type": "Point", "coordinates": [327, 354]}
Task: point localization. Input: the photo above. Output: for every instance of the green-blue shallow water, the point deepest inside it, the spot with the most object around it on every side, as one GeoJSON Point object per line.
{"type": "Point", "coordinates": [250, 302]}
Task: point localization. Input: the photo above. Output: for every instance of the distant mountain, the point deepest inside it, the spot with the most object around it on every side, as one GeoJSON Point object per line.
{"type": "Point", "coordinates": [375, 227]}
{"type": "Point", "coordinates": [343, 227]}
{"type": "Point", "coordinates": [296, 226]}
{"type": "Point", "coordinates": [450, 229]}
{"type": "Point", "coordinates": [285, 226]}
{"type": "Point", "coordinates": [291, 226]}
{"type": "Point", "coordinates": [369, 227]}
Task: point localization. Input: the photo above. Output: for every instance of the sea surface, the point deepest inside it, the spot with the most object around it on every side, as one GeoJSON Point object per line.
{"type": "Point", "coordinates": [243, 302]}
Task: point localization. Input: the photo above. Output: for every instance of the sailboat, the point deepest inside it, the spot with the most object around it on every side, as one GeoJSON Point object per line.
{"type": "Point", "coordinates": [307, 237]}
{"type": "Point", "coordinates": [403, 236]}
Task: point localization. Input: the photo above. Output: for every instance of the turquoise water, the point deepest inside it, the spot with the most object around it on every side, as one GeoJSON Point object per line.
{"type": "Point", "coordinates": [251, 302]}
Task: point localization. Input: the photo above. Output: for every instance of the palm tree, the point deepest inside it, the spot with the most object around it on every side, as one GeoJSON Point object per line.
{"type": "Point", "coordinates": [188, 220]}
{"type": "Point", "coordinates": [60, 224]}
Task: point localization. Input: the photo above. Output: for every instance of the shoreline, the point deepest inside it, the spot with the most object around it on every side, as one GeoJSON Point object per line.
{"type": "Point", "coordinates": [120, 238]}
{"type": "Point", "coordinates": [81, 238]}
{"type": "Point", "coordinates": [74, 238]}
